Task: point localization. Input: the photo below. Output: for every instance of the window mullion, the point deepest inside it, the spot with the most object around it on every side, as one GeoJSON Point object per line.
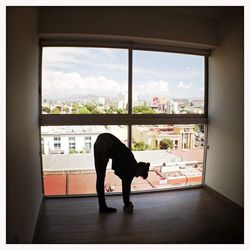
{"type": "Point", "coordinates": [206, 86]}
{"type": "Point", "coordinates": [130, 96]}
{"type": "Point", "coordinates": [130, 80]}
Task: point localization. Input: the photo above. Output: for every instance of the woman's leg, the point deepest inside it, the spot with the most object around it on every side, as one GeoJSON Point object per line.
{"type": "Point", "coordinates": [100, 166]}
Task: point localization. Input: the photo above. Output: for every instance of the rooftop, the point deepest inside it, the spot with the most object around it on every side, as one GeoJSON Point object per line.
{"type": "Point", "coordinates": [86, 161]}
{"type": "Point", "coordinates": [74, 183]}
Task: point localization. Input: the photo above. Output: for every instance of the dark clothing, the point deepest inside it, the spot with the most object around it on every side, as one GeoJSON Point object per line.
{"type": "Point", "coordinates": [124, 164]}
{"type": "Point", "coordinates": [123, 160]}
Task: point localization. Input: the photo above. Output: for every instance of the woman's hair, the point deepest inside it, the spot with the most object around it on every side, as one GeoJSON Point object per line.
{"type": "Point", "coordinates": [143, 169]}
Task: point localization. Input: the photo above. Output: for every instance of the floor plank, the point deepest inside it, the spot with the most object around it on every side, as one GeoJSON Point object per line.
{"type": "Point", "coordinates": [182, 216]}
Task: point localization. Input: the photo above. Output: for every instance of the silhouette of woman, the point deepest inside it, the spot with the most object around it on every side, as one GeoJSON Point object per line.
{"type": "Point", "coordinates": [106, 147]}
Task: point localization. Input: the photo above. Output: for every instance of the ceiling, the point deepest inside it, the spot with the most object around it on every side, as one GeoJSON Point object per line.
{"type": "Point", "coordinates": [208, 12]}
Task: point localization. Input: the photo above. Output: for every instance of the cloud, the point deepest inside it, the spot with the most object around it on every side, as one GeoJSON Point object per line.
{"type": "Point", "coordinates": [152, 88]}
{"type": "Point", "coordinates": [65, 57]}
{"type": "Point", "coordinates": [61, 85]}
{"type": "Point", "coordinates": [184, 86]}
{"type": "Point", "coordinates": [69, 71]}
{"type": "Point", "coordinates": [66, 85]}
{"type": "Point", "coordinates": [61, 56]}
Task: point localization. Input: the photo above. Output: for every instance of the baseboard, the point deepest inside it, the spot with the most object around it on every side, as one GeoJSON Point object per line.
{"type": "Point", "coordinates": [224, 198]}
{"type": "Point", "coordinates": [38, 221]}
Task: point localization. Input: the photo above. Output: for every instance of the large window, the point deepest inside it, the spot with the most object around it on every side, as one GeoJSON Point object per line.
{"type": "Point", "coordinates": [154, 102]}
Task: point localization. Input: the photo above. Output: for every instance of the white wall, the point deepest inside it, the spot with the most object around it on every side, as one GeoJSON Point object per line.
{"type": "Point", "coordinates": [155, 24]}
{"type": "Point", "coordinates": [224, 172]}
{"type": "Point", "coordinates": [24, 188]}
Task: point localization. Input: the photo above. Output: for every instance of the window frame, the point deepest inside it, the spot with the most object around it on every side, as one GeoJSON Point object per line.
{"type": "Point", "coordinates": [129, 119]}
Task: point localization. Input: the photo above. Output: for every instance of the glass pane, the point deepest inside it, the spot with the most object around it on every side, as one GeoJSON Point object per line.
{"type": "Point", "coordinates": [68, 158]}
{"type": "Point", "coordinates": [84, 80]}
{"type": "Point", "coordinates": [167, 83]}
{"type": "Point", "coordinates": [175, 153]}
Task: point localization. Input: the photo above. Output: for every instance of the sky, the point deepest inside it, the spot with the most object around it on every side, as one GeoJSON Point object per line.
{"type": "Point", "coordinates": [72, 72]}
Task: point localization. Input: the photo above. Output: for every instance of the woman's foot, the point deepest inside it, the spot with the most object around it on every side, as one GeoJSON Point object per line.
{"type": "Point", "coordinates": [107, 210]}
{"type": "Point", "coordinates": [128, 208]}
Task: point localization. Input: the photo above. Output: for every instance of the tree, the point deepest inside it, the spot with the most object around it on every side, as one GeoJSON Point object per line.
{"type": "Point", "coordinates": [113, 110]}
{"type": "Point", "coordinates": [120, 111]}
{"type": "Point", "coordinates": [56, 110]}
{"type": "Point", "coordinates": [75, 108]}
{"type": "Point", "coordinates": [139, 146]}
{"type": "Point", "coordinates": [92, 108]}
{"type": "Point", "coordinates": [83, 110]}
{"type": "Point", "coordinates": [197, 128]}
{"type": "Point", "coordinates": [66, 109]}
{"type": "Point", "coordinates": [46, 110]}
{"type": "Point", "coordinates": [142, 109]}
{"type": "Point", "coordinates": [166, 143]}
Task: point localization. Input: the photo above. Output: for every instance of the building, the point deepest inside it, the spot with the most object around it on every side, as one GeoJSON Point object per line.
{"type": "Point", "coordinates": [76, 139]}
{"type": "Point", "coordinates": [81, 139]}
{"type": "Point", "coordinates": [182, 136]}
{"type": "Point", "coordinates": [67, 140]}
{"type": "Point", "coordinates": [172, 107]}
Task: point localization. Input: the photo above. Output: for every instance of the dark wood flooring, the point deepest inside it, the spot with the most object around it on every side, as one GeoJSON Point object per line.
{"type": "Point", "coordinates": [177, 217]}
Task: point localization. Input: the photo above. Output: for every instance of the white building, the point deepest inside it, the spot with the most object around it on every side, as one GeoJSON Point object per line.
{"type": "Point", "coordinates": [76, 139]}
{"type": "Point", "coordinates": [173, 107]}
{"type": "Point", "coordinates": [182, 136]}
{"type": "Point", "coordinates": [102, 100]}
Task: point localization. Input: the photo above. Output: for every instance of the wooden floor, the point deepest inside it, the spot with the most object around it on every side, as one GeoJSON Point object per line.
{"type": "Point", "coordinates": [183, 216]}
